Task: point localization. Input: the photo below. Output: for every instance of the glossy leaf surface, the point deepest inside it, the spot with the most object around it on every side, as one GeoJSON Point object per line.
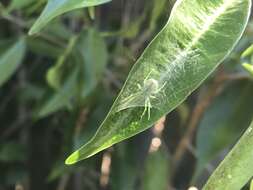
{"type": "Point", "coordinates": [197, 37]}
{"type": "Point", "coordinates": [55, 8]}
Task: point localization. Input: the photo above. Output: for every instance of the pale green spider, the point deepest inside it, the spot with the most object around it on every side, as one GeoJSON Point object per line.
{"type": "Point", "coordinates": [149, 89]}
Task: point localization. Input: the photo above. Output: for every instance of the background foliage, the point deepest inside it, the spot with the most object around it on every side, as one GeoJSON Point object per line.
{"type": "Point", "coordinates": [57, 86]}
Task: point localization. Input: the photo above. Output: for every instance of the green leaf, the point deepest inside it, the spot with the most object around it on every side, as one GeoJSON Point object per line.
{"type": "Point", "coordinates": [251, 185]}
{"type": "Point", "coordinates": [224, 121]}
{"type": "Point", "coordinates": [54, 74]}
{"type": "Point", "coordinates": [248, 67]}
{"type": "Point", "coordinates": [77, 72]}
{"type": "Point", "coordinates": [158, 7]}
{"type": "Point", "coordinates": [19, 4]}
{"type": "Point", "coordinates": [61, 98]}
{"type": "Point", "coordinates": [197, 37]}
{"type": "Point", "coordinates": [12, 152]}
{"type": "Point", "coordinates": [55, 8]}
{"type": "Point", "coordinates": [11, 59]}
{"type": "Point", "coordinates": [236, 169]}
{"type": "Point", "coordinates": [91, 11]}
{"type": "Point", "coordinates": [156, 172]}
{"type": "Point", "coordinates": [248, 52]}
{"type": "Point", "coordinates": [92, 51]}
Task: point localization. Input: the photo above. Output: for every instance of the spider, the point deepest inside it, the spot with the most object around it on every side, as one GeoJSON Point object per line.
{"type": "Point", "coordinates": [149, 89]}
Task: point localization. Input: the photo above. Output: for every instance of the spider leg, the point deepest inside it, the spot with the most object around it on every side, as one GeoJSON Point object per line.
{"type": "Point", "coordinates": [139, 86]}
{"type": "Point", "coordinates": [149, 108]}
{"type": "Point", "coordinates": [128, 99]}
{"type": "Point", "coordinates": [148, 76]}
{"type": "Point", "coordinates": [145, 108]}
{"type": "Point", "coordinates": [159, 89]}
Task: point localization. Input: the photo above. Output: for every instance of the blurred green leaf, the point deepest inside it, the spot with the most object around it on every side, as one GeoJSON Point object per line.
{"type": "Point", "coordinates": [11, 59]}
{"type": "Point", "coordinates": [42, 47]}
{"type": "Point", "coordinates": [73, 87]}
{"type": "Point", "coordinates": [224, 121]}
{"type": "Point", "coordinates": [158, 7]}
{"type": "Point", "coordinates": [197, 37]}
{"type": "Point", "coordinates": [58, 170]}
{"type": "Point", "coordinates": [248, 67]}
{"type": "Point", "coordinates": [156, 172]}
{"type": "Point", "coordinates": [125, 167]}
{"type": "Point", "coordinates": [12, 152]}
{"type": "Point", "coordinates": [19, 4]}
{"type": "Point", "coordinates": [128, 162]}
{"type": "Point", "coordinates": [61, 98]}
{"type": "Point", "coordinates": [91, 53]}
{"type": "Point", "coordinates": [251, 185]}
{"type": "Point", "coordinates": [55, 8]}
{"type": "Point", "coordinates": [236, 169]}
{"type": "Point", "coordinates": [54, 74]}
{"type": "Point", "coordinates": [91, 11]}
{"type": "Point", "coordinates": [129, 31]}
{"type": "Point", "coordinates": [248, 52]}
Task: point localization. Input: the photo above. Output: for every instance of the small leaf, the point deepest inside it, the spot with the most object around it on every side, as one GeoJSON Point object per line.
{"type": "Point", "coordinates": [248, 52]}
{"type": "Point", "coordinates": [55, 8]}
{"type": "Point", "coordinates": [10, 60]}
{"type": "Point", "coordinates": [197, 37]}
{"type": "Point", "coordinates": [236, 169]}
{"type": "Point", "coordinates": [91, 11]}
{"type": "Point", "coordinates": [248, 67]}
{"type": "Point", "coordinates": [54, 74]}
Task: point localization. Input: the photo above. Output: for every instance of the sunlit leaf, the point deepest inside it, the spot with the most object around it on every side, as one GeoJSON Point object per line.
{"type": "Point", "coordinates": [248, 51]}
{"type": "Point", "coordinates": [55, 8]}
{"type": "Point", "coordinates": [197, 37]}
{"type": "Point", "coordinates": [248, 67]}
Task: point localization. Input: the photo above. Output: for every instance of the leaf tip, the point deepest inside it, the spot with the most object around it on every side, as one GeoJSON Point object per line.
{"type": "Point", "coordinates": [73, 158]}
{"type": "Point", "coordinates": [31, 31]}
{"type": "Point", "coordinates": [248, 67]}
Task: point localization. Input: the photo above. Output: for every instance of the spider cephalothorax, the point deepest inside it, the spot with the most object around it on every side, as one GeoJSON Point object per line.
{"type": "Point", "coordinates": [149, 90]}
